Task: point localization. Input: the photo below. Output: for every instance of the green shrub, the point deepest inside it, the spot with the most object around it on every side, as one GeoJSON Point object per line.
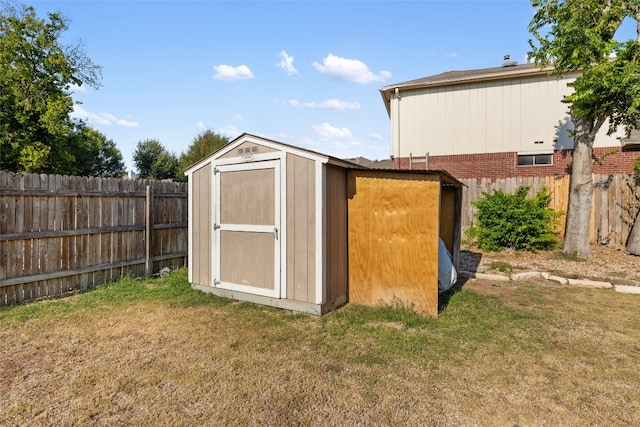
{"type": "Point", "coordinates": [515, 221]}
{"type": "Point", "coordinates": [636, 167]}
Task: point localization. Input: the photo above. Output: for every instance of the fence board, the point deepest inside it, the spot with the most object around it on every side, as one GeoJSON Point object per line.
{"type": "Point", "coordinates": [614, 206]}
{"type": "Point", "coordinates": [60, 234]}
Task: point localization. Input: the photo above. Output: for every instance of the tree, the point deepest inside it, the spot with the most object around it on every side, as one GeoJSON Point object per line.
{"type": "Point", "coordinates": [578, 35]}
{"type": "Point", "coordinates": [153, 161]}
{"type": "Point", "coordinates": [202, 145]}
{"type": "Point", "coordinates": [95, 154]}
{"type": "Point", "coordinates": [37, 72]}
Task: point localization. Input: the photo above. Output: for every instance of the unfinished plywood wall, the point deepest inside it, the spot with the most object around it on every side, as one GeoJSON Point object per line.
{"type": "Point", "coordinates": [336, 229]}
{"type": "Point", "coordinates": [393, 239]}
{"type": "Point", "coordinates": [450, 201]}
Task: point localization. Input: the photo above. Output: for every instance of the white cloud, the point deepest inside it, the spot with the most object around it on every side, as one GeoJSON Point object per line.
{"type": "Point", "coordinates": [376, 136]}
{"type": "Point", "coordinates": [329, 104]}
{"type": "Point", "coordinates": [327, 131]}
{"type": "Point", "coordinates": [286, 63]}
{"type": "Point", "coordinates": [229, 73]}
{"type": "Point", "coordinates": [350, 69]}
{"type": "Point", "coordinates": [76, 88]}
{"type": "Point", "coordinates": [230, 131]}
{"type": "Point", "coordinates": [200, 125]}
{"type": "Point", "coordinates": [105, 119]}
{"type": "Point", "coordinates": [451, 55]}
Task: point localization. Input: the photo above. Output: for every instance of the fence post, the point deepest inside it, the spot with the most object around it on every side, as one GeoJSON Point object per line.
{"type": "Point", "coordinates": [148, 219]}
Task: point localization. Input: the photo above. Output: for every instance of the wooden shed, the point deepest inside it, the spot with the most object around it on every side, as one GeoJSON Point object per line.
{"type": "Point", "coordinates": [275, 224]}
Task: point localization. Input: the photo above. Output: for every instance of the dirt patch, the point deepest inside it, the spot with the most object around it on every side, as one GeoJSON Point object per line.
{"type": "Point", "coordinates": [611, 264]}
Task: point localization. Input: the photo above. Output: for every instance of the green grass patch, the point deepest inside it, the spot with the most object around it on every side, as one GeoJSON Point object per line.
{"type": "Point", "coordinates": [501, 266]}
{"type": "Point", "coordinates": [173, 290]}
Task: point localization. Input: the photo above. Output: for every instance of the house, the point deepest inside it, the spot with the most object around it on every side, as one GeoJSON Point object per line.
{"type": "Point", "coordinates": [499, 122]}
{"type": "Point", "coordinates": [282, 226]}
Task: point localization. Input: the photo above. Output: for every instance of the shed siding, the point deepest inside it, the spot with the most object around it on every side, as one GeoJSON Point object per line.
{"type": "Point", "coordinates": [301, 223]}
{"type": "Point", "coordinates": [486, 117]}
{"type": "Point", "coordinates": [202, 217]}
{"type": "Point", "coordinates": [393, 239]}
{"type": "Point", "coordinates": [247, 149]}
{"type": "Point", "coordinates": [336, 234]}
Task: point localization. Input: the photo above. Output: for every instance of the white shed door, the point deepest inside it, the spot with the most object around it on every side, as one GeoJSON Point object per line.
{"type": "Point", "coordinates": [247, 228]}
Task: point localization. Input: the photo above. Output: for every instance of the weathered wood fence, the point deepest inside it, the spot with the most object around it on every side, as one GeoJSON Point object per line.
{"type": "Point", "coordinates": [61, 234]}
{"type": "Point", "coordinates": [614, 208]}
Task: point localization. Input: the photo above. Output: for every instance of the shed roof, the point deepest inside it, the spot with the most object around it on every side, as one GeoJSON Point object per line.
{"type": "Point", "coordinates": [444, 176]}
{"type": "Point", "coordinates": [247, 137]}
{"type": "Point", "coordinates": [451, 78]}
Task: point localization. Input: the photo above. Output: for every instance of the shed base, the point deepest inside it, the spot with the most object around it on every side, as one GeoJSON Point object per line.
{"type": "Point", "coordinates": [304, 307]}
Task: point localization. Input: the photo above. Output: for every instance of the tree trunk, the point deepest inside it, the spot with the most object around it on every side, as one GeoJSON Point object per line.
{"type": "Point", "coordinates": [633, 243]}
{"type": "Point", "coordinates": [576, 240]}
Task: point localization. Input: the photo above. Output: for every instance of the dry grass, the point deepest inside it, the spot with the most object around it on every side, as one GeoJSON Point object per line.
{"type": "Point", "coordinates": [157, 353]}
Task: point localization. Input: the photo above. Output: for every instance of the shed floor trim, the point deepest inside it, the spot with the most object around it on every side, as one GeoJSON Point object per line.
{"type": "Point", "coordinates": [303, 307]}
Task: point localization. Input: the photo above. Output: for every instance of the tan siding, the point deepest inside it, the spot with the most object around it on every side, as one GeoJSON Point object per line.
{"type": "Point", "coordinates": [247, 259]}
{"type": "Point", "coordinates": [247, 149]}
{"type": "Point", "coordinates": [248, 197]}
{"type": "Point", "coordinates": [301, 224]}
{"type": "Point", "coordinates": [336, 234]}
{"type": "Point", "coordinates": [202, 217]}
{"type": "Point", "coordinates": [393, 239]}
{"type": "Point", "coordinates": [485, 117]}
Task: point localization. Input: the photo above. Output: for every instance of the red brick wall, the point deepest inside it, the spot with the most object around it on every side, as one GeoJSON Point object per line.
{"type": "Point", "coordinates": [505, 165]}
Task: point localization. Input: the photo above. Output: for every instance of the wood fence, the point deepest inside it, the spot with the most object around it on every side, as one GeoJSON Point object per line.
{"type": "Point", "coordinates": [614, 207]}
{"type": "Point", "coordinates": [62, 234]}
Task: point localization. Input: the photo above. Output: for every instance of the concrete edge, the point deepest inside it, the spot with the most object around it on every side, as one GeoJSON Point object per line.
{"type": "Point", "coordinates": [583, 283]}
{"type": "Point", "coordinates": [627, 289]}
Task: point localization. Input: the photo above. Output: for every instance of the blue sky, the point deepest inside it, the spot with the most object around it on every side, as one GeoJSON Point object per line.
{"type": "Point", "coordinates": [306, 73]}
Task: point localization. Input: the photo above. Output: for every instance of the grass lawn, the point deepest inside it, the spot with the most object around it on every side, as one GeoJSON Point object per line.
{"type": "Point", "coordinates": [158, 353]}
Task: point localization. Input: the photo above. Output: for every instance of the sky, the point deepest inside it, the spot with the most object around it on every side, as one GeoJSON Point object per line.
{"type": "Point", "coordinates": [306, 73]}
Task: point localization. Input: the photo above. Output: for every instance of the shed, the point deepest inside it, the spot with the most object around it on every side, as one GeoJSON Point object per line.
{"type": "Point", "coordinates": [278, 225]}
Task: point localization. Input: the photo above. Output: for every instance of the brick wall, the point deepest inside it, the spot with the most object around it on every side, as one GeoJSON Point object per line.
{"type": "Point", "coordinates": [505, 165]}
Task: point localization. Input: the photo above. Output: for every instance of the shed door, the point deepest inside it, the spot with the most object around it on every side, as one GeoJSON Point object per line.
{"type": "Point", "coordinates": [247, 228]}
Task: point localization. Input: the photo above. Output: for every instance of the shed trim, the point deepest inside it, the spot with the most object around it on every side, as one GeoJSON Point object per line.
{"type": "Point", "coordinates": [320, 226]}
{"type": "Point", "coordinates": [190, 226]}
{"type": "Point", "coordinates": [275, 145]}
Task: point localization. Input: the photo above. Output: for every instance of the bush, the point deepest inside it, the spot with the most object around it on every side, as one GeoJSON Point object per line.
{"type": "Point", "coordinates": [515, 221]}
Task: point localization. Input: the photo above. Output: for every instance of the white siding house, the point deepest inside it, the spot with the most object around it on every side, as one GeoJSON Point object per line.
{"type": "Point", "coordinates": [494, 122]}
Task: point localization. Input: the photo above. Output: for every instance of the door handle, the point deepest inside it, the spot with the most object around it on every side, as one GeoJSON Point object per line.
{"type": "Point", "coordinates": [275, 232]}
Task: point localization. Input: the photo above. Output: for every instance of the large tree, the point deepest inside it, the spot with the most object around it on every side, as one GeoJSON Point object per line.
{"type": "Point", "coordinates": [153, 161]}
{"type": "Point", "coordinates": [94, 154]}
{"type": "Point", "coordinates": [204, 144]}
{"type": "Point", "coordinates": [37, 73]}
{"type": "Point", "coordinates": [578, 36]}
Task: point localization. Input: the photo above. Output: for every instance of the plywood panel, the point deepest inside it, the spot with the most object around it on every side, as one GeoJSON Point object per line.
{"type": "Point", "coordinates": [393, 239]}
{"type": "Point", "coordinates": [336, 235]}
{"type": "Point", "coordinates": [202, 223]}
{"type": "Point", "coordinates": [248, 197]}
{"type": "Point", "coordinates": [448, 217]}
{"type": "Point", "coordinates": [301, 223]}
{"type": "Point", "coordinates": [247, 258]}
